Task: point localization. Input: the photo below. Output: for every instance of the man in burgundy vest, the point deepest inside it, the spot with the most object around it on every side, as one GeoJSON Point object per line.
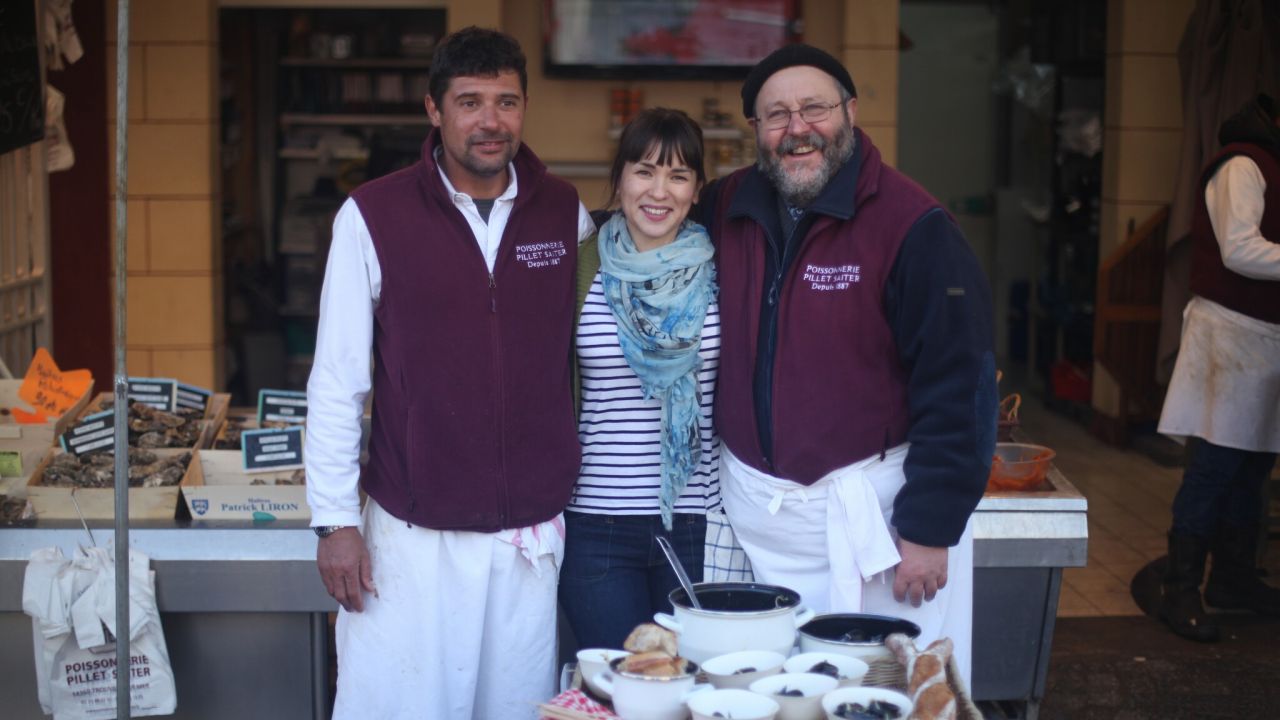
{"type": "Point", "coordinates": [459, 274]}
{"type": "Point", "coordinates": [1224, 396]}
{"type": "Point", "coordinates": [857, 366]}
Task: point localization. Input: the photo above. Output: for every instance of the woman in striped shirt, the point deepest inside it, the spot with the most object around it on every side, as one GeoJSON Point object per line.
{"type": "Point", "coordinates": [647, 349]}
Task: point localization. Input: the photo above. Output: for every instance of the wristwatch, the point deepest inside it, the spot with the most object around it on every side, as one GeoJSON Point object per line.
{"type": "Point", "coordinates": [325, 531]}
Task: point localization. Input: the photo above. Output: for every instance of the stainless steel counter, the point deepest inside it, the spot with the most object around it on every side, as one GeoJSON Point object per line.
{"type": "Point", "coordinates": [242, 607]}
{"type": "Point", "coordinates": [239, 598]}
{"type": "Point", "coordinates": [1021, 543]}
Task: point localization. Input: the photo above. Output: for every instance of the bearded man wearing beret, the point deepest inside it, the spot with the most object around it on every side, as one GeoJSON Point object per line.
{"type": "Point", "coordinates": [857, 397]}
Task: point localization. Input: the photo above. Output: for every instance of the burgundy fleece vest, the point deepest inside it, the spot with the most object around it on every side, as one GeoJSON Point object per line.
{"type": "Point", "coordinates": [473, 425]}
{"type": "Point", "coordinates": [839, 388]}
{"type": "Point", "coordinates": [1210, 278]}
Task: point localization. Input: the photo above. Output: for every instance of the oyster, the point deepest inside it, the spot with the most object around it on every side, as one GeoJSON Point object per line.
{"type": "Point", "coordinates": [12, 510]}
{"type": "Point", "coordinates": [97, 470]}
{"type": "Point", "coordinates": [153, 428]}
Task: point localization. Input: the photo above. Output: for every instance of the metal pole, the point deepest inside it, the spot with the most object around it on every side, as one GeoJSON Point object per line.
{"type": "Point", "coordinates": [121, 383]}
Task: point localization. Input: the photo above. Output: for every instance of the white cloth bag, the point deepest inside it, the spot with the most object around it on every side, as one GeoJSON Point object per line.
{"type": "Point", "coordinates": [72, 606]}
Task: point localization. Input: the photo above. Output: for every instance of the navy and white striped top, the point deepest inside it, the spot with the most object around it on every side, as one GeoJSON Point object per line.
{"type": "Point", "coordinates": [619, 429]}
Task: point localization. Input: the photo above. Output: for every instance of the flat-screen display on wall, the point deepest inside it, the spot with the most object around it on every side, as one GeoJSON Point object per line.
{"type": "Point", "coordinates": [635, 39]}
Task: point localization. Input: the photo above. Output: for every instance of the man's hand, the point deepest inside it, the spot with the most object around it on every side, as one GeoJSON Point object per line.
{"type": "Point", "coordinates": [921, 574]}
{"type": "Point", "coordinates": [345, 568]}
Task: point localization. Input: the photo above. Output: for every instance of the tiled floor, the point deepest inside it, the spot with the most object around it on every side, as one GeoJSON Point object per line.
{"type": "Point", "coordinates": [1129, 500]}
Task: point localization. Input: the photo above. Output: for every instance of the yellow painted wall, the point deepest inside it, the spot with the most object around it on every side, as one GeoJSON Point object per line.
{"type": "Point", "coordinates": [1143, 131]}
{"type": "Point", "coordinates": [174, 255]}
{"type": "Point", "coordinates": [174, 269]}
{"type": "Point", "coordinates": [568, 120]}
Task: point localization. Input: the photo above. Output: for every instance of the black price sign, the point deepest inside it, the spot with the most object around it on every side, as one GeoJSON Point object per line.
{"type": "Point", "coordinates": [271, 449]}
{"type": "Point", "coordinates": [195, 398]}
{"type": "Point", "coordinates": [282, 406]}
{"type": "Point", "coordinates": [159, 393]}
{"type": "Point", "coordinates": [95, 432]}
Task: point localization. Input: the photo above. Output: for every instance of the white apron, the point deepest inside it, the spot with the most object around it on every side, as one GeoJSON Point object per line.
{"type": "Point", "coordinates": [833, 542]}
{"type": "Point", "coordinates": [1226, 383]}
{"type": "Point", "coordinates": [463, 627]}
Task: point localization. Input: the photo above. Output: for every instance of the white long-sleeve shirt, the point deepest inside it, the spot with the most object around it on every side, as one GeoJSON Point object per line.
{"type": "Point", "coordinates": [340, 374]}
{"type": "Point", "coordinates": [1234, 197]}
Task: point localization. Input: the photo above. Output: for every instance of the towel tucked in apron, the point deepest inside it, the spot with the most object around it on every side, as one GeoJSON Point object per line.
{"type": "Point", "coordinates": [833, 542]}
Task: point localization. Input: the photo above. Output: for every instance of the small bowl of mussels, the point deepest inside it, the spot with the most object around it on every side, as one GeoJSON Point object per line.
{"type": "Point", "coordinates": [866, 703]}
{"type": "Point", "coordinates": [799, 695]}
{"type": "Point", "coordinates": [848, 671]}
{"type": "Point", "coordinates": [740, 669]}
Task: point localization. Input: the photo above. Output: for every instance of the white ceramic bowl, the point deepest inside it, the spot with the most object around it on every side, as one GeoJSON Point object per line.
{"type": "Point", "coordinates": [802, 707]}
{"type": "Point", "coordinates": [724, 671]}
{"type": "Point", "coordinates": [863, 696]}
{"type": "Point", "coordinates": [592, 662]}
{"type": "Point", "coordinates": [732, 703]}
{"type": "Point", "coordinates": [850, 670]}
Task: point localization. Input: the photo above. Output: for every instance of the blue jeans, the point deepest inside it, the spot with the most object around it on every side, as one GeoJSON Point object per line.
{"type": "Point", "coordinates": [1221, 486]}
{"type": "Point", "coordinates": [615, 576]}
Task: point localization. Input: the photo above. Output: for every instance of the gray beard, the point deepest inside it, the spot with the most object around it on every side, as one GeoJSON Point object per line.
{"type": "Point", "coordinates": [801, 191]}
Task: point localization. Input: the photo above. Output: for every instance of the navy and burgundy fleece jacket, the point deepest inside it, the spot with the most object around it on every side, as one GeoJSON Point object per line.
{"type": "Point", "coordinates": [473, 422]}
{"type": "Point", "coordinates": [870, 326]}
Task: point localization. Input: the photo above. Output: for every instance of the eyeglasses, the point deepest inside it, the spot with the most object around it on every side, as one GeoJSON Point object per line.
{"type": "Point", "coordinates": [811, 114]}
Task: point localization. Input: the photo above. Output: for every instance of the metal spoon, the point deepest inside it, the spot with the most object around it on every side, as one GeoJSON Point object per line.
{"type": "Point", "coordinates": [681, 575]}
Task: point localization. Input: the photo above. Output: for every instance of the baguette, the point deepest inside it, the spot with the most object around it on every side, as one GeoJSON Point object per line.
{"type": "Point", "coordinates": [926, 677]}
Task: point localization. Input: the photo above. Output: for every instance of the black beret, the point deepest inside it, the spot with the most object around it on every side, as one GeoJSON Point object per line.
{"type": "Point", "coordinates": [790, 56]}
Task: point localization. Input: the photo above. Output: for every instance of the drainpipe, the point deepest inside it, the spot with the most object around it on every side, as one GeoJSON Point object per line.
{"type": "Point", "coordinates": [123, 673]}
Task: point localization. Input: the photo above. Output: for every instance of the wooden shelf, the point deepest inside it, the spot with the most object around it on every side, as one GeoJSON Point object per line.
{"type": "Point", "coordinates": [728, 133]}
{"type": "Point", "coordinates": [354, 119]}
{"type": "Point", "coordinates": [422, 64]}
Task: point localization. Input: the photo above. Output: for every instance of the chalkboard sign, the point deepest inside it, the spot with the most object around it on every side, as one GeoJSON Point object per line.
{"type": "Point", "coordinates": [192, 397]}
{"type": "Point", "coordinates": [282, 406]}
{"type": "Point", "coordinates": [95, 432]}
{"type": "Point", "coordinates": [21, 90]}
{"type": "Point", "coordinates": [272, 449]}
{"type": "Point", "coordinates": [159, 393]}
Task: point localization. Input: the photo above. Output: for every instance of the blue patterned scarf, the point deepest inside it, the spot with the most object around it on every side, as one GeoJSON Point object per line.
{"type": "Point", "coordinates": [660, 300]}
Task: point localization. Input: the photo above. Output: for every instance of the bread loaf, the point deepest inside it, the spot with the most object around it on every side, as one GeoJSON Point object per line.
{"type": "Point", "coordinates": [926, 677]}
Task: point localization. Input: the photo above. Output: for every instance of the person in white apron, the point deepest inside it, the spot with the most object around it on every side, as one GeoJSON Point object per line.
{"type": "Point", "coordinates": [458, 273]}
{"type": "Point", "coordinates": [1224, 396]}
{"type": "Point", "coordinates": [856, 400]}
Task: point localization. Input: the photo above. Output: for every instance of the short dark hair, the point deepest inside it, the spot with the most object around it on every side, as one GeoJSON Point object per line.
{"type": "Point", "coordinates": [677, 138]}
{"type": "Point", "coordinates": [475, 52]}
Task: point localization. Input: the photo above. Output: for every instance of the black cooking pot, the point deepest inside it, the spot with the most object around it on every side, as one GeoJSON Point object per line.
{"type": "Point", "coordinates": [856, 634]}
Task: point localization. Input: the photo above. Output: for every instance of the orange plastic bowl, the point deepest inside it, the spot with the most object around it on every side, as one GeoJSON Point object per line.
{"type": "Point", "coordinates": [1019, 466]}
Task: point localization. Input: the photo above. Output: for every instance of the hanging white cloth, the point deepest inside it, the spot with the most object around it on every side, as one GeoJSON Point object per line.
{"type": "Point", "coordinates": [833, 543]}
{"type": "Point", "coordinates": [463, 626]}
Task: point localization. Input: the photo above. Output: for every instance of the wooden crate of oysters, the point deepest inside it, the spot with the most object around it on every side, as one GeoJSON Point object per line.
{"type": "Point", "coordinates": [151, 428]}
{"type": "Point", "coordinates": [216, 487]}
{"type": "Point", "coordinates": [154, 476]}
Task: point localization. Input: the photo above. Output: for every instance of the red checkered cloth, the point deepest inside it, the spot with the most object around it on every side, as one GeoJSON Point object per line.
{"type": "Point", "coordinates": [580, 705]}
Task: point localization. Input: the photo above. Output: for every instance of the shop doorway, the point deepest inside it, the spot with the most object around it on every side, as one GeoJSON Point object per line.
{"type": "Point", "coordinates": [1000, 118]}
{"type": "Point", "coordinates": [313, 103]}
